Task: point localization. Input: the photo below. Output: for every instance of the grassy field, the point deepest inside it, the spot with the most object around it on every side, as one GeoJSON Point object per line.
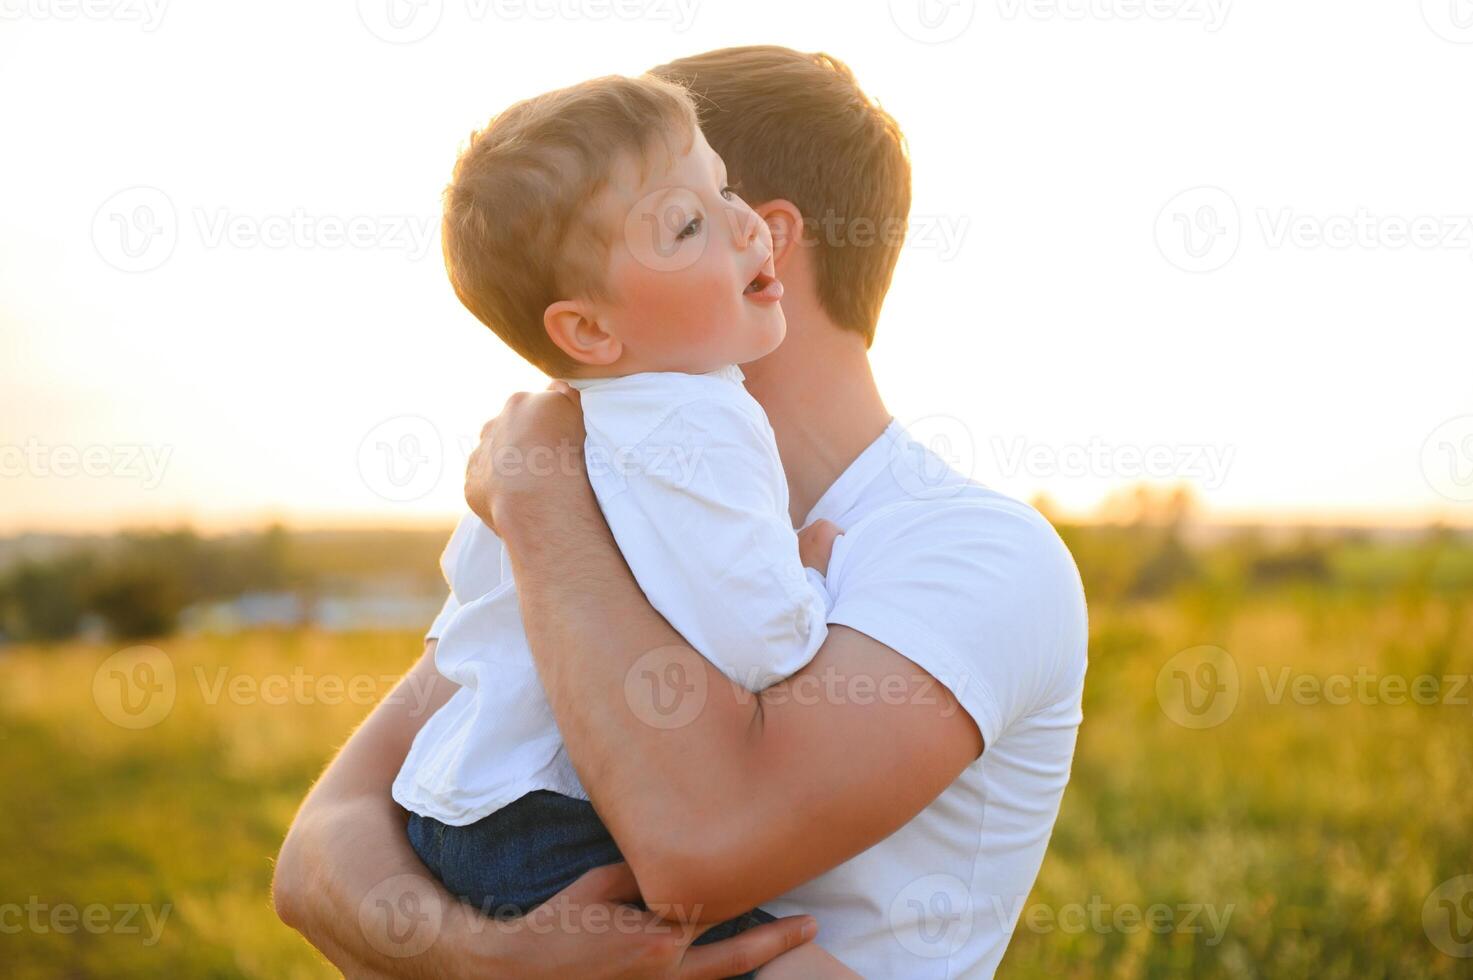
{"type": "Point", "coordinates": [1295, 824]}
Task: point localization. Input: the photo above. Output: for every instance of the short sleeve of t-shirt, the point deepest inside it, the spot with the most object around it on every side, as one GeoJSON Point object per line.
{"type": "Point", "coordinates": [977, 590]}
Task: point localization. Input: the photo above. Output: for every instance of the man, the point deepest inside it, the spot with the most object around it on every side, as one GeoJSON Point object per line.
{"type": "Point", "coordinates": [902, 787]}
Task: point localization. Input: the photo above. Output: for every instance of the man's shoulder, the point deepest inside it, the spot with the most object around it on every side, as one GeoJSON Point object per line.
{"type": "Point", "coordinates": [995, 558]}
{"type": "Point", "coordinates": [965, 517]}
{"type": "Point", "coordinates": [979, 590]}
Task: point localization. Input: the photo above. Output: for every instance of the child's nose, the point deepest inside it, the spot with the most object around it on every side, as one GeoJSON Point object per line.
{"type": "Point", "coordinates": [747, 225]}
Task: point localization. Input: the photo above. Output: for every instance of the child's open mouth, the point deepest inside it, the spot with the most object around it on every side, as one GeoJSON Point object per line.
{"type": "Point", "coordinates": [764, 288]}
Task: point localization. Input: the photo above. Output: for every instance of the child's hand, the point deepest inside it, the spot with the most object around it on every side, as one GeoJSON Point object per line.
{"type": "Point", "coordinates": [816, 544]}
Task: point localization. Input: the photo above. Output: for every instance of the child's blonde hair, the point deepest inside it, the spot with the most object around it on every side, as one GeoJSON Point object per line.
{"type": "Point", "coordinates": [520, 229]}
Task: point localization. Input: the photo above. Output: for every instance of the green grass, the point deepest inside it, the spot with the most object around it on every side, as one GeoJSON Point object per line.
{"type": "Point", "coordinates": [1316, 830]}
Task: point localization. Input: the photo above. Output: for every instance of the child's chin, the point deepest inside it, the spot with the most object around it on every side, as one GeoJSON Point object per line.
{"type": "Point", "coordinates": [766, 340]}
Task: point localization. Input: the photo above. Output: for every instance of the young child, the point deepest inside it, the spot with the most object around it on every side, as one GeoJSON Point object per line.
{"type": "Point", "coordinates": [592, 229]}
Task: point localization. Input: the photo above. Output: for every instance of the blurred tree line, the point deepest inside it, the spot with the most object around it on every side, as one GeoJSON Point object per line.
{"type": "Point", "coordinates": [136, 584]}
{"type": "Point", "coordinates": [1144, 544]}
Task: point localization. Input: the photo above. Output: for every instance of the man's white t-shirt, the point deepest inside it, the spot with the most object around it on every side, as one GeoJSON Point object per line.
{"type": "Point", "coordinates": [979, 591]}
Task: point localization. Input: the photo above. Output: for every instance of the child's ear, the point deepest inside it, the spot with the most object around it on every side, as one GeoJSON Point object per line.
{"type": "Point", "coordinates": [570, 325]}
{"type": "Point", "coordinates": [785, 222]}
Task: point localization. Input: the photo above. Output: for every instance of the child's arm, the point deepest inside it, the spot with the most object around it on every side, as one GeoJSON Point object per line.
{"type": "Point", "coordinates": [699, 510]}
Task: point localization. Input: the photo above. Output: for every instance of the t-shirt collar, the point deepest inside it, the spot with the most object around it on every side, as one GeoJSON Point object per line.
{"type": "Point", "coordinates": [844, 493]}
{"type": "Point", "coordinates": [730, 373]}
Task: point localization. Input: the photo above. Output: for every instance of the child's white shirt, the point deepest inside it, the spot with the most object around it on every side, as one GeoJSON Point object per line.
{"type": "Point", "coordinates": [686, 470]}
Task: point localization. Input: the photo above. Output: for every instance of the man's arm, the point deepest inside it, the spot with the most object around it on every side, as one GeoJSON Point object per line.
{"type": "Point", "coordinates": [727, 799]}
{"type": "Point", "coordinates": [348, 880]}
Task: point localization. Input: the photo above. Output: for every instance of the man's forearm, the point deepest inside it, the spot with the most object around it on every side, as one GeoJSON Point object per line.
{"type": "Point", "coordinates": [349, 881]}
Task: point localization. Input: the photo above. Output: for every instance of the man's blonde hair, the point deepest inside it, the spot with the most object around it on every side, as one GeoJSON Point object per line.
{"type": "Point", "coordinates": [520, 229]}
{"type": "Point", "coordinates": [797, 127]}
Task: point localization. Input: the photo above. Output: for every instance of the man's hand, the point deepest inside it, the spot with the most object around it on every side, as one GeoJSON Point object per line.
{"type": "Point", "coordinates": [533, 450]}
{"type": "Point", "coordinates": [588, 930]}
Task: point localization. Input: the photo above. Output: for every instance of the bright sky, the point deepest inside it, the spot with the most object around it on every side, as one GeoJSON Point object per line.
{"type": "Point", "coordinates": [1226, 243]}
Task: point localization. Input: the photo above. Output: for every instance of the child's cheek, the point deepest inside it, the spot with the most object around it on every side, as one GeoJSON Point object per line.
{"type": "Point", "coordinates": [647, 295]}
{"type": "Point", "coordinates": [661, 307]}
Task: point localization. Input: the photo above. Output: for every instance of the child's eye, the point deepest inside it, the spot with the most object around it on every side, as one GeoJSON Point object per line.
{"type": "Point", "coordinates": [728, 192]}
{"type": "Point", "coordinates": [693, 226]}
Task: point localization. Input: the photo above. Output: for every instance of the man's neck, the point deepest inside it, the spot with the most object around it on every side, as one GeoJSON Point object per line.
{"type": "Point", "coordinates": [820, 396]}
